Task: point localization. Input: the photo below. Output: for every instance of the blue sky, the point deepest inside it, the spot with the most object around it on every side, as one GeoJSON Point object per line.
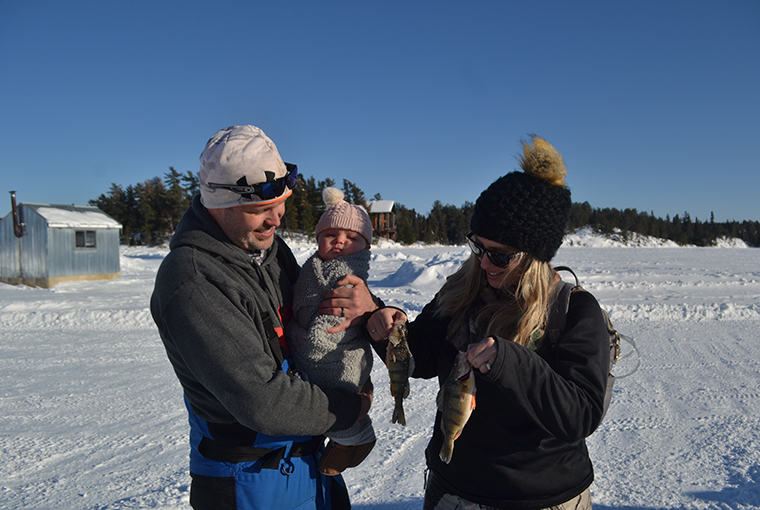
{"type": "Point", "coordinates": [655, 105]}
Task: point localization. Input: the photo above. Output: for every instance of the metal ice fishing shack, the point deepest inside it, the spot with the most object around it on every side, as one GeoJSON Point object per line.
{"type": "Point", "coordinates": [43, 244]}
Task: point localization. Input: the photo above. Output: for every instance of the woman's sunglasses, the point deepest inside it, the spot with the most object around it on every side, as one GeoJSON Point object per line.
{"type": "Point", "coordinates": [497, 258]}
{"type": "Point", "coordinates": [263, 190]}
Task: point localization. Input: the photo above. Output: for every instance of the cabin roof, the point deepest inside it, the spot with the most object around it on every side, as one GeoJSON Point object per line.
{"type": "Point", "coordinates": [73, 216]}
{"type": "Point", "coordinates": [380, 206]}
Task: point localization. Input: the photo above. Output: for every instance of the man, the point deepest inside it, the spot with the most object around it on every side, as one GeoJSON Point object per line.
{"type": "Point", "coordinates": [221, 299]}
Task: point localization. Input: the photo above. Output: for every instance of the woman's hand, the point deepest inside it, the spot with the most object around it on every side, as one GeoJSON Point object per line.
{"type": "Point", "coordinates": [380, 323]}
{"type": "Point", "coordinates": [482, 354]}
{"type": "Point", "coordinates": [349, 302]}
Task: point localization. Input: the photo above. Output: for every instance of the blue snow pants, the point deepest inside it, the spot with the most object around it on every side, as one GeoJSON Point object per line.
{"type": "Point", "coordinates": [285, 479]}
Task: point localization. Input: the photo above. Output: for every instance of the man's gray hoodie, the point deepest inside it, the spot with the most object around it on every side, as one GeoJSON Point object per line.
{"type": "Point", "coordinates": [211, 305]}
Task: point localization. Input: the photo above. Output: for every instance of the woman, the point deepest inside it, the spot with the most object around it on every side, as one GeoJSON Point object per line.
{"type": "Point", "coordinates": [524, 444]}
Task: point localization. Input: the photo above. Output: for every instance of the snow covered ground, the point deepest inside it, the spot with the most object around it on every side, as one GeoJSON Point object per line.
{"type": "Point", "coordinates": [91, 415]}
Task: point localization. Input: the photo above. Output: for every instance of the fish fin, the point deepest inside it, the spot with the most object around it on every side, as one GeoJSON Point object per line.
{"type": "Point", "coordinates": [472, 402]}
{"type": "Point", "coordinates": [447, 450]}
{"type": "Point", "coordinates": [398, 414]}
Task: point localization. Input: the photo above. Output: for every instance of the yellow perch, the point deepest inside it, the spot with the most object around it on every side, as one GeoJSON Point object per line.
{"type": "Point", "coordinates": [400, 363]}
{"type": "Point", "coordinates": [456, 400]}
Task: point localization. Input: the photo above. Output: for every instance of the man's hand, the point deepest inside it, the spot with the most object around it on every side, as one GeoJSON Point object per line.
{"type": "Point", "coordinates": [349, 302]}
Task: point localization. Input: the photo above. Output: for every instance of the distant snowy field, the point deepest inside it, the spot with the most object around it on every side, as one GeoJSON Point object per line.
{"type": "Point", "coordinates": [91, 415]}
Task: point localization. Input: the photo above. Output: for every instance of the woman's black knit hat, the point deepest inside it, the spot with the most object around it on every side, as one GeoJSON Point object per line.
{"type": "Point", "coordinates": [527, 210]}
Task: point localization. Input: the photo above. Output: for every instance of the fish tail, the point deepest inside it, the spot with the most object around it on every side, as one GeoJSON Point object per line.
{"type": "Point", "coordinates": [447, 449]}
{"type": "Point", "coordinates": [398, 412]}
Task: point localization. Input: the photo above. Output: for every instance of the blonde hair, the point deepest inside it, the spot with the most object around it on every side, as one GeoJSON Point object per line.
{"type": "Point", "coordinates": [514, 315]}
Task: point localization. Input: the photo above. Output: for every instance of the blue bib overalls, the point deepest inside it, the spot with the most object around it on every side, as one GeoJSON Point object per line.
{"type": "Point", "coordinates": [284, 478]}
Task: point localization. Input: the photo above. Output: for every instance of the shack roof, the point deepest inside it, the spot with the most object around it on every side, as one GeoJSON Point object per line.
{"type": "Point", "coordinates": [73, 216]}
{"type": "Point", "coordinates": [380, 206]}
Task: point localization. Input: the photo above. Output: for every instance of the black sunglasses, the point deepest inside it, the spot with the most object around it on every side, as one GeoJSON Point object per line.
{"type": "Point", "coordinates": [497, 258]}
{"type": "Point", "coordinates": [263, 190]}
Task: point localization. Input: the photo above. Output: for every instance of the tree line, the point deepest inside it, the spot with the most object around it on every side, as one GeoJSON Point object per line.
{"type": "Point", "coordinates": [681, 229]}
{"type": "Point", "coordinates": [150, 211]}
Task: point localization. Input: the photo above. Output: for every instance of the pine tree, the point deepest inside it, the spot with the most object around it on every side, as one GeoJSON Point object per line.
{"type": "Point", "coordinates": [175, 198]}
{"type": "Point", "coordinates": [310, 207]}
{"type": "Point", "coordinates": [191, 183]}
{"type": "Point", "coordinates": [114, 204]}
{"type": "Point", "coordinates": [405, 225]}
{"type": "Point", "coordinates": [353, 194]}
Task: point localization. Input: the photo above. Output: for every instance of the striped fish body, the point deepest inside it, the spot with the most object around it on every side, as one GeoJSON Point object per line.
{"type": "Point", "coordinates": [456, 400]}
{"type": "Point", "coordinates": [400, 363]}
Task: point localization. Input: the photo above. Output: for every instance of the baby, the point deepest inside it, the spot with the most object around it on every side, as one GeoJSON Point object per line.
{"type": "Point", "coordinates": [339, 360]}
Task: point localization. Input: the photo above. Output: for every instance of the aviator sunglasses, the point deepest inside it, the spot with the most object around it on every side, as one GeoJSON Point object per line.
{"type": "Point", "coordinates": [497, 258]}
{"type": "Point", "coordinates": [263, 190]}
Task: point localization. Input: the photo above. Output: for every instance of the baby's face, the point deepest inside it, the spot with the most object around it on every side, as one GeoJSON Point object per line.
{"type": "Point", "coordinates": [335, 242]}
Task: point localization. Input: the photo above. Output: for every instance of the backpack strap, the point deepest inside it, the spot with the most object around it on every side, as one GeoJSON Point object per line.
{"type": "Point", "coordinates": [555, 324]}
{"type": "Point", "coordinates": [558, 318]}
{"type": "Point", "coordinates": [565, 268]}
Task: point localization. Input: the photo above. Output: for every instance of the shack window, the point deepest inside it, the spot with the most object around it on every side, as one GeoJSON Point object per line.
{"type": "Point", "coordinates": [85, 239]}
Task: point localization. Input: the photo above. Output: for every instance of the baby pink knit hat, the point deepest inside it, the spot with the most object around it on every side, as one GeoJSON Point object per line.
{"type": "Point", "coordinates": [341, 214]}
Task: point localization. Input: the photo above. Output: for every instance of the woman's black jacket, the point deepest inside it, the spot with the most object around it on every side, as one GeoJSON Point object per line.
{"type": "Point", "coordinates": [524, 445]}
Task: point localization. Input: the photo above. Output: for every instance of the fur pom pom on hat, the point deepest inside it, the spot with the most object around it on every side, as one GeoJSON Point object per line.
{"type": "Point", "coordinates": [527, 210]}
{"type": "Point", "coordinates": [341, 214]}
